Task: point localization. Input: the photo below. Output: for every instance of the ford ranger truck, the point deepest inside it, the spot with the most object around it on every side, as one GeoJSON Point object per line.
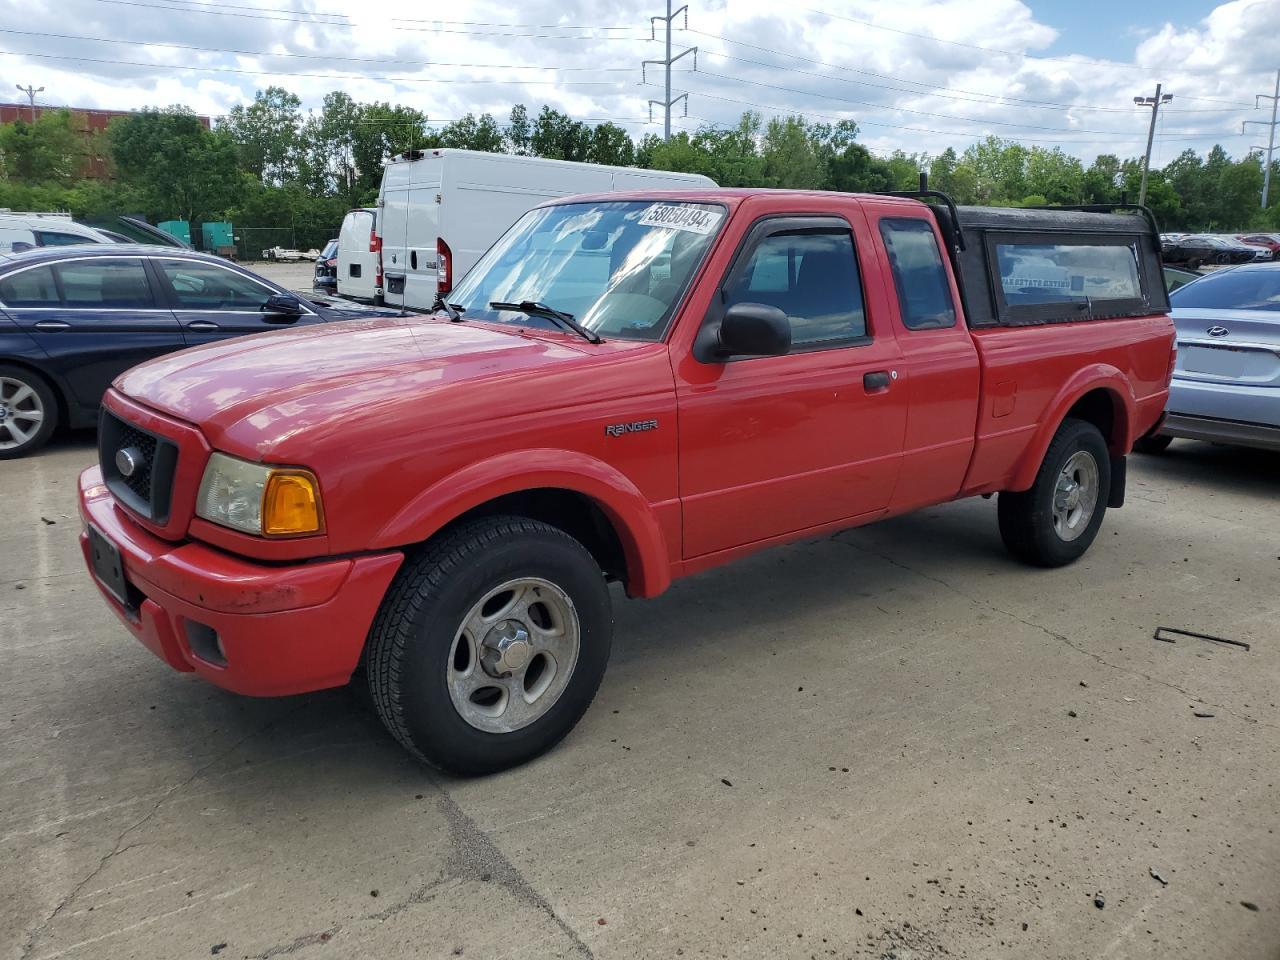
{"type": "Point", "coordinates": [629, 387]}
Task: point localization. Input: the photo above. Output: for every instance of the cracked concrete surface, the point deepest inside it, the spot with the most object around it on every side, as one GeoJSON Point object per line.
{"type": "Point", "coordinates": [930, 752]}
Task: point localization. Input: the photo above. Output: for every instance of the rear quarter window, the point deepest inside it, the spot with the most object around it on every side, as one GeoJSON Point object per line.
{"type": "Point", "coordinates": [30, 288]}
{"type": "Point", "coordinates": [919, 277]}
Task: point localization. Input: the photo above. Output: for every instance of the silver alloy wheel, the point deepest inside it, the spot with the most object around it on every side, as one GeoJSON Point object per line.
{"type": "Point", "coordinates": [1075, 495]}
{"type": "Point", "coordinates": [513, 655]}
{"type": "Point", "coordinates": [21, 413]}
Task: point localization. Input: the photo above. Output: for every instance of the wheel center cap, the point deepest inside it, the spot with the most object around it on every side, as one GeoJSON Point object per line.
{"type": "Point", "coordinates": [507, 647]}
{"type": "Point", "coordinates": [4, 411]}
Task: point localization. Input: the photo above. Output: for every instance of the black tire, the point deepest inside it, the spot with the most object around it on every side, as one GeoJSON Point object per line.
{"type": "Point", "coordinates": [410, 645]}
{"type": "Point", "coordinates": [1193, 265]}
{"type": "Point", "coordinates": [43, 396]}
{"type": "Point", "coordinates": [1154, 444]}
{"type": "Point", "coordinates": [1027, 517]}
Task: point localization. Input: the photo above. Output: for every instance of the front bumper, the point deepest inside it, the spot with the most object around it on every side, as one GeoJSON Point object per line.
{"type": "Point", "coordinates": [255, 629]}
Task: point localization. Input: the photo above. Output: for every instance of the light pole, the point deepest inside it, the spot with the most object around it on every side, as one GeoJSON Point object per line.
{"type": "Point", "coordinates": [1154, 103]}
{"type": "Point", "coordinates": [31, 92]}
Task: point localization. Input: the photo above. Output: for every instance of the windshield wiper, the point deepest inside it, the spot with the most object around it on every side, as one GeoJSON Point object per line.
{"type": "Point", "coordinates": [452, 310]}
{"type": "Point", "coordinates": [535, 309]}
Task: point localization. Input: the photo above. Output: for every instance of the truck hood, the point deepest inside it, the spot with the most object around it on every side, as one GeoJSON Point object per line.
{"type": "Point", "coordinates": [281, 382]}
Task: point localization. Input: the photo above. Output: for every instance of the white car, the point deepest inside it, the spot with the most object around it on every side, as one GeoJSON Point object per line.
{"type": "Point", "coordinates": [26, 231]}
{"type": "Point", "coordinates": [358, 274]}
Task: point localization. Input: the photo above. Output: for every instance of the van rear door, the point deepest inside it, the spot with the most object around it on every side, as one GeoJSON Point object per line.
{"type": "Point", "coordinates": [408, 225]}
{"type": "Point", "coordinates": [358, 256]}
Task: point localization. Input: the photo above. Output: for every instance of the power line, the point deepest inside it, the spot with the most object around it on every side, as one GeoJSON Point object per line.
{"type": "Point", "coordinates": [880, 76]}
{"type": "Point", "coordinates": [351, 26]}
{"type": "Point", "coordinates": [922, 113]}
{"type": "Point", "coordinates": [945, 133]}
{"type": "Point", "coordinates": [316, 56]}
{"type": "Point", "coordinates": [321, 76]}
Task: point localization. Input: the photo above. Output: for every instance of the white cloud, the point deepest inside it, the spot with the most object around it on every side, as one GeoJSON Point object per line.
{"type": "Point", "coordinates": [906, 91]}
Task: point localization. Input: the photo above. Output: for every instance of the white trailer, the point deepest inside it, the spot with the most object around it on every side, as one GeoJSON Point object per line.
{"type": "Point", "coordinates": [439, 211]}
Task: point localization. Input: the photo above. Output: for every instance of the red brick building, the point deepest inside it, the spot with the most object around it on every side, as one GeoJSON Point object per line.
{"type": "Point", "coordinates": [90, 124]}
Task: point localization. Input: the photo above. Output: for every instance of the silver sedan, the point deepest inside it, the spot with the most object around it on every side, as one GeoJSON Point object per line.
{"type": "Point", "coordinates": [1226, 385]}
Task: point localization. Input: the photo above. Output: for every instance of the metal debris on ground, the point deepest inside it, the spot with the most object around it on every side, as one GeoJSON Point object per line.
{"type": "Point", "coordinates": [1202, 715]}
{"type": "Point", "coordinates": [1155, 876]}
{"type": "Point", "coordinates": [1191, 633]}
{"type": "Point", "coordinates": [1099, 901]}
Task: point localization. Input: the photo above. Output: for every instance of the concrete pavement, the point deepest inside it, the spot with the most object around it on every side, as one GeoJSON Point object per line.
{"type": "Point", "coordinates": [895, 742]}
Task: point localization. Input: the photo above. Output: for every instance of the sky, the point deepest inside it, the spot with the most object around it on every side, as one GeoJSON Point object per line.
{"type": "Point", "coordinates": [917, 75]}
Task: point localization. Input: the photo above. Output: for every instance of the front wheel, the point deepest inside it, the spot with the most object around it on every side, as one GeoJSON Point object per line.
{"type": "Point", "coordinates": [1054, 522]}
{"type": "Point", "coordinates": [490, 645]}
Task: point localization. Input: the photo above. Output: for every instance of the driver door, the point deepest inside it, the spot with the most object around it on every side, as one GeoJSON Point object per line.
{"type": "Point", "coordinates": [213, 302]}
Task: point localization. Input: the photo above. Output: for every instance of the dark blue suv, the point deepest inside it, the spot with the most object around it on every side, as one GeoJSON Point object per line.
{"type": "Point", "coordinates": [73, 318]}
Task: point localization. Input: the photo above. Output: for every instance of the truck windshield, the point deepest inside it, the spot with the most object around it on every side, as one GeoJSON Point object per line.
{"type": "Point", "coordinates": [618, 267]}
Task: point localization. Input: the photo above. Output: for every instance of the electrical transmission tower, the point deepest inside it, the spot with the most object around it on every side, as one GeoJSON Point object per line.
{"type": "Point", "coordinates": [667, 102]}
{"type": "Point", "coordinates": [1271, 137]}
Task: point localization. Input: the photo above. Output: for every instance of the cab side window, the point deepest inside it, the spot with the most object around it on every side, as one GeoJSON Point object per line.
{"type": "Point", "coordinates": [812, 277]}
{"type": "Point", "coordinates": [924, 295]}
{"type": "Point", "coordinates": [30, 288]}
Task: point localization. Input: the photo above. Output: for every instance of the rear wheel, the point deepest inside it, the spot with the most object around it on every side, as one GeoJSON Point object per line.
{"type": "Point", "coordinates": [28, 412]}
{"type": "Point", "coordinates": [490, 645]}
{"type": "Point", "coordinates": [1193, 265]}
{"type": "Point", "coordinates": [1054, 522]}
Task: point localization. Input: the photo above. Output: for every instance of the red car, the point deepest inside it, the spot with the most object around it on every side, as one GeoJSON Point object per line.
{"type": "Point", "coordinates": [632, 388]}
{"type": "Point", "coordinates": [1270, 241]}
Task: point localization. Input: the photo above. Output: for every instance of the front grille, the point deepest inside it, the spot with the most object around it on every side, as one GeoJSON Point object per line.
{"type": "Point", "coordinates": [148, 487]}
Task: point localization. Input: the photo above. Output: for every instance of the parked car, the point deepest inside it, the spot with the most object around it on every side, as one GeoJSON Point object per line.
{"type": "Point", "coordinates": [1269, 240]}
{"type": "Point", "coordinates": [26, 231]}
{"type": "Point", "coordinates": [73, 318]}
{"type": "Point", "coordinates": [1175, 278]}
{"type": "Point", "coordinates": [326, 277]}
{"type": "Point", "coordinates": [1194, 251]}
{"type": "Point", "coordinates": [1226, 386]}
{"type": "Point", "coordinates": [439, 211]}
{"type": "Point", "coordinates": [359, 277]}
{"type": "Point", "coordinates": [457, 490]}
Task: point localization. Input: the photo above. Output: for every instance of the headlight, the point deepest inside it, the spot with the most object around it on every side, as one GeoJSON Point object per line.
{"type": "Point", "coordinates": [257, 499]}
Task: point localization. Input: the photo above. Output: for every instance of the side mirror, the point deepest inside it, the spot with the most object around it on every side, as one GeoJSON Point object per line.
{"type": "Point", "coordinates": [283, 304]}
{"type": "Point", "coordinates": [754, 330]}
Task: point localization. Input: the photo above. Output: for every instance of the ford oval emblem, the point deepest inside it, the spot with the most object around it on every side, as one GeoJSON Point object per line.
{"type": "Point", "coordinates": [1216, 331]}
{"type": "Point", "coordinates": [128, 460]}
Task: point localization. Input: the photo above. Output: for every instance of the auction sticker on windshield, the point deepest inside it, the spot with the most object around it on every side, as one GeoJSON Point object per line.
{"type": "Point", "coordinates": [681, 217]}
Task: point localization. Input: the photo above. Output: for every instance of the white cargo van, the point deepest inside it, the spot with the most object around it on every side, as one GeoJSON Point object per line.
{"type": "Point", "coordinates": [358, 276]}
{"type": "Point", "coordinates": [440, 210]}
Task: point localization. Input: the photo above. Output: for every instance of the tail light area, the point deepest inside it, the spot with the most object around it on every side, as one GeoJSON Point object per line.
{"type": "Point", "coordinates": [375, 246]}
{"type": "Point", "coordinates": [444, 266]}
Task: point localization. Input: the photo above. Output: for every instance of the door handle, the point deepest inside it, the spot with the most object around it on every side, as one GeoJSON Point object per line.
{"type": "Point", "coordinates": [52, 325]}
{"type": "Point", "coordinates": [877, 380]}
{"type": "Point", "coordinates": [202, 325]}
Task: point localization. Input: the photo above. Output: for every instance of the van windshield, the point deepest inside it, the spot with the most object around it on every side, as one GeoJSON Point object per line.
{"type": "Point", "coordinates": [619, 267]}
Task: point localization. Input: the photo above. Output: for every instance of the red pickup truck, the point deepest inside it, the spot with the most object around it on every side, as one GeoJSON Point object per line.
{"type": "Point", "coordinates": [625, 388]}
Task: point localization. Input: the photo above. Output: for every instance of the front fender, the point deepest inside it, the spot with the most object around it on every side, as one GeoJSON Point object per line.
{"type": "Point", "coordinates": [1093, 377]}
{"type": "Point", "coordinates": [633, 518]}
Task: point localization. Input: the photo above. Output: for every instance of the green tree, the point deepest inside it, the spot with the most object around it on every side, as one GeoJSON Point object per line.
{"type": "Point", "coordinates": [559, 137]}
{"type": "Point", "coordinates": [519, 131]}
{"type": "Point", "coordinates": [50, 150]}
{"type": "Point", "coordinates": [471, 133]}
{"type": "Point", "coordinates": [379, 131]}
{"type": "Point", "coordinates": [791, 157]}
{"type": "Point", "coordinates": [611, 145]}
{"type": "Point", "coordinates": [1054, 176]}
{"type": "Point", "coordinates": [1101, 182]}
{"type": "Point", "coordinates": [178, 167]}
{"type": "Point", "coordinates": [267, 134]}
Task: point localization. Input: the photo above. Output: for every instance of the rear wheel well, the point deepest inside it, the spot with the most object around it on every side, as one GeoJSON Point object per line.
{"type": "Point", "coordinates": [1099, 408]}
{"type": "Point", "coordinates": [576, 514]}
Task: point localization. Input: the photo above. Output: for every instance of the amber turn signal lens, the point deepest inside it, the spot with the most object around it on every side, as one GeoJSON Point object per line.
{"type": "Point", "coordinates": [291, 504]}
